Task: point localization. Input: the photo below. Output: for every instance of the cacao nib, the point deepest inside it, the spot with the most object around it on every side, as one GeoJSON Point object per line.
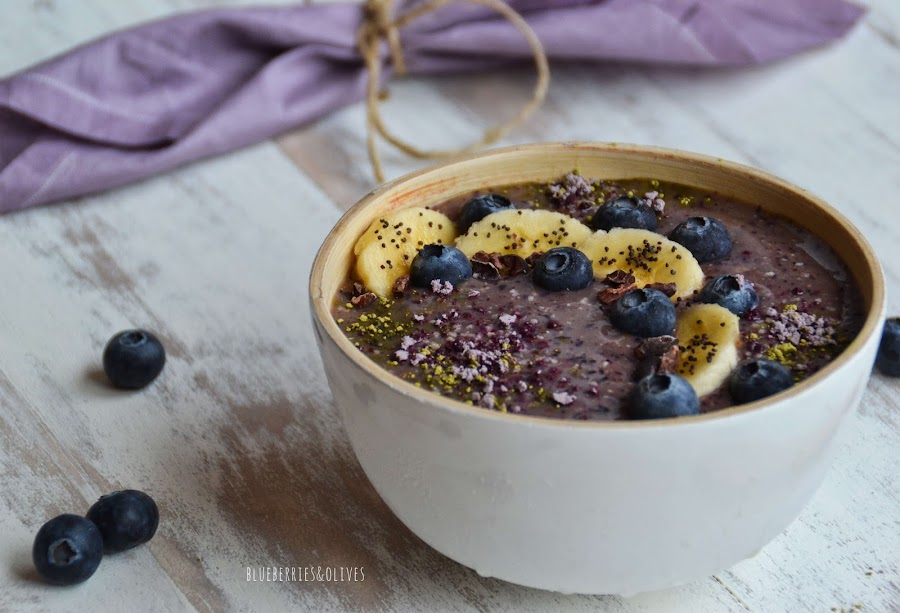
{"type": "Point", "coordinates": [655, 346]}
{"type": "Point", "coordinates": [620, 277]}
{"type": "Point", "coordinates": [532, 259]}
{"type": "Point", "coordinates": [611, 294]}
{"type": "Point", "coordinates": [363, 300]}
{"type": "Point", "coordinates": [668, 289]}
{"type": "Point", "coordinates": [513, 265]}
{"type": "Point", "coordinates": [400, 286]}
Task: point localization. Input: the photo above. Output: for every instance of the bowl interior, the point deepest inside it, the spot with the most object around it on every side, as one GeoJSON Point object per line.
{"type": "Point", "coordinates": [545, 162]}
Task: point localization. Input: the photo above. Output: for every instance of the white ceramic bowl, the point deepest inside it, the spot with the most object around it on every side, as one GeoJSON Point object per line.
{"type": "Point", "coordinates": [593, 507]}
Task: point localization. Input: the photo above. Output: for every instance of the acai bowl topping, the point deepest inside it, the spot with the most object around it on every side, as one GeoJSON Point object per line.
{"type": "Point", "coordinates": [597, 300]}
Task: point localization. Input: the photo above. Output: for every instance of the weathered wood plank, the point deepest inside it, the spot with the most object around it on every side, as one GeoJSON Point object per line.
{"type": "Point", "coordinates": [88, 286]}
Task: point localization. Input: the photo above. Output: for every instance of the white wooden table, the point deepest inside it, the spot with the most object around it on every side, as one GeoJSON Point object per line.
{"type": "Point", "coordinates": [238, 441]}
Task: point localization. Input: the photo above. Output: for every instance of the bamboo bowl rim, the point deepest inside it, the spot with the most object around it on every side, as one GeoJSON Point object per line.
{"type": "Point", "coordinates": [322, 302]}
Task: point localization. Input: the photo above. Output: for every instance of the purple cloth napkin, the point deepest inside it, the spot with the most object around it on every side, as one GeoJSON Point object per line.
{"type": "Point", "coordinates": [148, 99]}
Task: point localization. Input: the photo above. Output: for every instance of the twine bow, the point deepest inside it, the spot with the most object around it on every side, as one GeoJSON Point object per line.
{"type": "Point", "coordinates": [380, 25]}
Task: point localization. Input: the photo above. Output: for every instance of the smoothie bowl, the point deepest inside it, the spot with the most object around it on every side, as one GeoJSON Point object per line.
{"type": "Point", "coordinates": [533, 460]}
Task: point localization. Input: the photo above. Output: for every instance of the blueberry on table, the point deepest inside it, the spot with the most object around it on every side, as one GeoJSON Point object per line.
{"type": "Point", "coordinates": [133, 359]}
{"type": "Point", "coordinates": [563, 268]}
{"type": "Point", "coordinates": [644, 313]}
{"type": "Point", "coordinates": [624, 212]}
{"type": "Point", "coordinates": [706, 238]}
{"type": "Point", "coordinates": [439, 263]}
{"type": "Point", "coordinates": [663, 395]}
{"type": "Point", "coordinates": [732, 292]}
{"type": "Point", "coordinates": [757, 379]}
{"type": "Point", "coordinates": [125, 519]}
{"type": "Point", "coordinates": [480, 207]}
{"type": "Point", "coordinates": [888, 359]}
{"type": "Point", "coordinates": [67, 550]}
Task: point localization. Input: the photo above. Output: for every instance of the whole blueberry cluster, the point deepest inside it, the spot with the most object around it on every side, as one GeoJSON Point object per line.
{"type": "Point", "coordinates": [69, 548]}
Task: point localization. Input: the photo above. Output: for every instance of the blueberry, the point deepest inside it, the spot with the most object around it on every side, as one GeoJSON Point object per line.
{"type": "Point", "coordinates": [563, 268]}
{"type": "Point", "coordinates": [125, 519]}
{"type": "Point", "coordinates": [644, 312]}
{"type": "Point", "coordinates": [888, 359]}
{"type": "Point", "coordinates": [441, 263]}
{"type": "Point", "coordinates": [67, 550]}
{"type": "Point", "coordinates": [663, 395]}
{"type": "Point", "coordinates": [732, 292]}
{"type": "Point", "coordinates": [624, 212]}
{"type": "Point", "coordinates": [133, 358]}
{"type": "Point", "coordinates": [758, 379]}
{"type": "Point", "coordinates": [480, 207]}
{"type": "Point", "coordinates": [706, 238]}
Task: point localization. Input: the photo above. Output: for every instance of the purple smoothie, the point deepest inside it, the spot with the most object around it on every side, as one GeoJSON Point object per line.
{"type": "Point", "coordinates": [509, 345]}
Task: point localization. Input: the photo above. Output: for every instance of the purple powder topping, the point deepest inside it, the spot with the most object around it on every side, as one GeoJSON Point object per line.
{"type": "Point", "coordinates": [573, 191]}
{"type": "Point", "coordinates": [439, 287]}
{"type": "Point", "coordinates": [563, 398]}
{"type": "Point", "coordinates": [793, 326]}
{"type": "Point", "coordinates": [653, 200]}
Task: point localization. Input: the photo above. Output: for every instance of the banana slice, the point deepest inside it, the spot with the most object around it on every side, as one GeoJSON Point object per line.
{"type": "Point", "coordinates": [523, 232]}
{"type": "Point", "coordinates": [708, 336]}
{"type": "Point", "coordinates": [395, 224]}
{"type": "Point", "coordinates": [387, 248]}
{"type": "Point", "coordinates": [650, 257]}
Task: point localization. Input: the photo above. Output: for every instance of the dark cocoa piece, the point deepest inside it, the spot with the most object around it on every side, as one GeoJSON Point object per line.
{"type": "Point", "coordinates": [620, 277]}
{"type": "Point", "coordinates": [668, 361]}
{"type": "Point", "coordinates": [363, 300]}
{"type": "Point", "coordinates": [652, 361]}
{"type": "Point", "coordinates": [400, 286]}
{"type": "Point", "coordinates": [485, 271]}
{"type": "Point", "coordinates": [513, 265]}
{"type": "Point", "coordinates": [492, 266]}
{"type": "Point", "coordinates": [532, 259]}
{"type": "Point", "coordinates": [655, 346]}
{"type": "Point", "coordinates": [668, 289]}
{"type": "Point", "coordinates": [486, 266]}
{"type": "Point", "coordinates": [611, 294]}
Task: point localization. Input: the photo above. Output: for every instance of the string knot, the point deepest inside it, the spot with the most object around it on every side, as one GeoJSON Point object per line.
{"type": "Point", "coordinates": [380, 25]}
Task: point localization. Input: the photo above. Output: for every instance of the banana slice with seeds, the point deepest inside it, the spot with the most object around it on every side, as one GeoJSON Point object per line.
{"type": "Point", "coordinates": [399, 224]}
{"type": "Point", "coordinates": [708, 337]}
{"type": "Point", "coordinates": [650, 257]}
{"type": "Point", "coordinates": [523, 232]}
{"type": "Point", "coordinates": [387, 248]}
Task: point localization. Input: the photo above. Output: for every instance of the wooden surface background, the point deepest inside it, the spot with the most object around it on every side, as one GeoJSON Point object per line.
{"type": "Point", "coordinates": [238, 440]}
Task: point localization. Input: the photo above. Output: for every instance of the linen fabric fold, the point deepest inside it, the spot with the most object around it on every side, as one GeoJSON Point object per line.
{"type": "Point", "coordinates": [144, 100]}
